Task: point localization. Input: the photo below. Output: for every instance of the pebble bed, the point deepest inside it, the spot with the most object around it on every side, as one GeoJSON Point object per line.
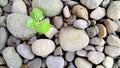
{"type": "Point", "coordinates": [83, 34]}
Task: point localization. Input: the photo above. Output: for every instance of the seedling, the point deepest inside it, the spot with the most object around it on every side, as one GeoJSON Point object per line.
{"type": "Point", "coordinates": [36, 21]}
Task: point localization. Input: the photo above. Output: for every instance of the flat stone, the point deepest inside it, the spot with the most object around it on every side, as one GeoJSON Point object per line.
{"type": "Point", "coordinates": [72, 39]}
{"type": "Point", "coordinates": [82, 53]}
{"type": "Point", "coordinates": [90, 48]}
{"type": "Point", "coordinates": [58, 51]}
{"type": "Point", "coordinates": [69, 56]}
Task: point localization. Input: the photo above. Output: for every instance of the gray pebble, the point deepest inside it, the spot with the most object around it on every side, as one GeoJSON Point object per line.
{"type": "Point", "coordinates": [25, 51]}
{"type": "Point", "coordinates": [3, 37]}
{"type": "Point", "coordinates": [91, 31]}
{"type": "Point", "coordinates": [99, 48]}
{"type": "Point", "coordinates": [43, 65]}
{"type": "Point", "coordinates": [115, 65]}
{"type": "Point", "coordinates": [35, 63]}
{"type": "Point", "coordinates": [11, 57]}
{"type": "Point", "coordinates": [90, 48]}
{"type": "Point", "coordinates": [2, 61]}
{"type": "Point", "coordinates": [58, 51]}
{"type": "Point", "coordinates": [8, 8]}
{"type": "Point", "coordinates": [71, 3]}
{"type": "Point", "coordinates": [3, 2]}
{"type": "Point", "coordinates": [2, 21]}
{"type": "Point", "coordinates": [27, 2]}
{"type": "Point", "coordinates": [58, 21]}
{"type": "Point", "coordinates": [32, 39]}
{"type": "Point", "coordinates": [69, 56]}
{"type": "Point", "coordinates": [55, 62]}
{"type": "Point", "coordinates": [71, 65]}
{"type": "Point", "coordinates": [71, 19]}
{"type": "Point", "coordinates": [57, 41]}
{"type": "Point", "coordinates": [105, 3]}
{"type": "Point", "coordinates": [82, 53]}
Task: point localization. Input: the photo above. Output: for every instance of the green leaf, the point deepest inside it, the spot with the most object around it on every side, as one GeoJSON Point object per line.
{"type": "Point", "coordinates": [43, 27]}
{"type": "Point", "coordinates": [36, 14]}
{"type": "Point", "coordinates": [31, 23]}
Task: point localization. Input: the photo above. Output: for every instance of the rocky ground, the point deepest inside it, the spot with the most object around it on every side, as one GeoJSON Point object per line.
{"type": "Point", "coordinates": [83, 34]}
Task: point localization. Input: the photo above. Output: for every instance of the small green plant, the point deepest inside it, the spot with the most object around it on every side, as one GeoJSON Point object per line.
{"type": "Point", "coordinates": [36, 21]}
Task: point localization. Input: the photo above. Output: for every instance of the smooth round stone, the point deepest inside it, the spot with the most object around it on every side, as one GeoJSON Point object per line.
{"type": "Point", "coordinates": [112, 51]}
{"type": "Point", "coordinates": [71, 65]}
{"type": "Point", "coordinates": [90, 48]}
{"type": "Point", "coordinates": [82, 63]}
{"type": "Point", "coordinates": [0, 11]}
{"type": "Point", "coordinates": [113, 10]}
{"type": "Point", "coordinates": [105, 3]}
{"type": "Point", "coordinates": [91, 4]}
{"type": "Point", "coordinates": [11, 57]}
{"type": "Point", "coordinates": [3, 2]}
{"type": "Point", "coordinates": [82, 53]}
{"type": "Point", "coordinates": [58, 51]}
{"type": "Point", "coordinates": [55, 62]}
{"type": "Point", "coordinates": [43, 47]}
{"type": "Point", "coordinates": [35, 63]}
{"type": "Point", "coordinates": [19, 6]}
{"type": "Point", "coordinates": [80, 23]}
{"type": "Point", "coordinates": [113, 40]}
{"type": "Point", "coordinates": [58, 21]}
{"type": "Point", "coordinates": [66, 12]}
{"type": "Point", "coordinates": [97, 41]}
{"type": "Point", "coordinates": [69, 56]}
{"type": "Point", "coordinates": [16, 24]}
{"type": "Point", "coordinates": [91, 31]}
{"type": "Point", "coordinates": [95, 57]}
{"type": "Point", "coordinates": [52, 8]}
{"type": "Point", "coordinates": [72, 39]}
{"type": "Point", "coordinates": [80, 11]}
{"type": "Point", "coordinates": [108, 62]}
{"type": "Point", "coordinates": [25, 51]}
{"type": "Point", "coordinates": [3, 37]}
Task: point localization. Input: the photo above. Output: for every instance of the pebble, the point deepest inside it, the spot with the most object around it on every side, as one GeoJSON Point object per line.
{"type": "Point", "coordinates": [43, 65]}
{"type": "Point", "coordinates": [113, 40]}
{"type": "Point", "coordinates": [108, 62]}
{"type": "Point", "coordinates": [82, 53]}
{"type": "Point", "coordinates": [58, 21]}
{"type": "Point", "coordinates": [97, 41]}
{"type": "Point", "coordinates": [80, 11]}
{"type": "Point", "coordinates": [95, 57]}
{"type": "Point", "coordinates": [89, 48]}
{"type": "Point", "coordinates": [112, 51]}
{"type": "Point", "coordinates": [3, 2]}
{"type": "Point", "coordinates": [105, 3]}
{"type": "Point", "coordinates": [11, 57]}
{"type": "Point", "coordinates": [52, 8]}
{"type": "Point", "coordinates": [25, 51]}
{"type": "Point", "coordinates": [109, 23]}
{"type": "Point", "coordinates": [2, 61]}
{"type": "Point", "coordinates": [71, 3]}
{"type": "Point", "coordinates": [69, 56]}
{"type": "Point", "coordinates": [43, 47]}
{"type": "Point", "coordinates": [27, 2]}
{"type": "Point", "coordinates": [66, 12]}
{"type": "Point", "coordinates": [100, 66]}
{"type": "Point", "coordinates": [71, 19]}
{"type": "Point", "coordinates": [80, 23]}
{"type": "Point", "coordinates": [91, 31]}
{"type": "Point", "coordinates": [115, 65]}
{"type": "Point", "coordinates": [72, 39]}
{"type": "Point", "coordinates": [55, 62]}
{"type": "Point", "coordinates": [16, 24]}
{"type": "Point", "coordinates": [57, 41]}
{"type": "Point", "coordinates": [35, 63]}
{"type": "Point", "coordinates": [99, 48]}
{"type": "Point", "coordinates": [98, 13]}
{"type": "Point", "coordinates": [102, 31]}
{"type": "Point", "coordinates": [1, 11]}
{"type": "Point", "coordinates": [118, 23]}
{"type": "Point", "coordinates": [113, 10]}
{"type": "Point", "coordinates": [3, 37]}
{"type": "Point", "coordinates": [58, 51]}
{"type": "Point", "coordinates": [82, 63]}
{"type": "Point", "coordinates": [2, 21]}
{"type": "Point", "coordinates": [32, 39]}
{"type": "Point", "coordinates": [91, 4]}
{"type": "Point", "coordinates": [19, 6]}
{"type": "Point", "coordinates": [71, 65]}
{"type": "Point", "coordinates": [8, 8]}
{"type": "Point", "coordinates": [13, 41]}
{"type": "Point", "coordinates": [52, 31]}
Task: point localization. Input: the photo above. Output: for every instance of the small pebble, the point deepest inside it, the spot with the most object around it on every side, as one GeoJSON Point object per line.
{"type": "Point", "coordinates": [58, 21]}
{"type": "Point", "coordinates": [91, 31]}
{"type": "Point", "coordinates": [3, 2]}
{"type": "Point", "coordinates": [2, 61]}
{"type": "Point", "coordinates": [32, 39]}
{"type": "Point", "coordinates": [71, 65]}
{"type": "Point", "coordinates": [11, 57]}
{"type": "Point", "coordinates": [43, 47]}
{"type": "Point", "coordinates": [112, 51]}
{"type": "Point", "coordinates": [66, 12]}
{"type": "Point", "coordinates": [57, 41]}
{"type": "Point", "coordinates": [55, 62]}
{"type": "Point", "coordinates": [80, 23]}
{"type": "Point", "coordinates": [102, 31]}
{"type": "Point", "coordinates": [115, 65]}
{"type": "Point", "coordinates": [100, 66]}
{"type": "Point", "coordinates": [71, 3]}
{"type": "Point", "coordinates": [1, 11]}
{"type": "Point", "coordinates": [58, 51]}
{"type": "Point", "coordinates": [8, 8]}
{"type": "Point", "coordinates": [113, 40]}
{"type": "Point", "coordinates": [35, 63]}
{"type": "Point", "coordinates": [109, 23]}
{"type": "Point", "coordinates": [69, 56]}
{"type": "Point", "coordinates": [25, 51]}
{"type": "Point", "coordinates": [82, 63]}
{"type": "Point", "coordinates": [108, 62]}
{"type": "Point", "coordinates": [97, 41]}
{"type": "Point", "coordinates": [105, 3]}
{"type": "Point", "coordinates": [43, 65]}
{"type": "Point", "coordinates": [2, 21]}
{"type": "Point", "coordinates": [98, 13]}
{"type": "Point", "coordinates": [99, 48]}
{"type": "Point", "coordinates": [71, 19]}
{"type": "Point", "coordinates": [95, 57]}
{"type": "Point", "coordinates": [27, 2]}
{"type": "Point", "coordinates": [89, 48]}
{"type": "Point", "coordinates": [82, 53]}
{"type": "Point", "coordinates": [80, 11]}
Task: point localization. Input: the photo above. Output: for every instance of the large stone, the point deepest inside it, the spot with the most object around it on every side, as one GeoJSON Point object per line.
{"type": "Point", "coordinates": [16, 24]}
{"type": "Point", "coordinates": [49, 7]}
{"type": "Point", "coordinates": [72, 39]}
